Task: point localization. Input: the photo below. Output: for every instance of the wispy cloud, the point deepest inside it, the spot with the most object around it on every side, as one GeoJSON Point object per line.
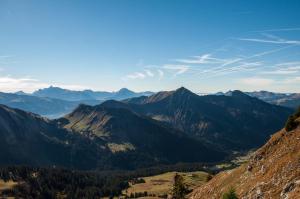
{"type": "Point", "coordinates": [160, 74]}
{"type": "Point", "coordinates": [219, 66]}
{"type": "Point", "coordinates": [149, 73]}
{"type": "Point", "coordinates": [7, 59]}
{"type": "Point", "coordinates": [224, 66]}
{"type": "Point", "coordinates": [271, 39]}
{"type": "Point", "coordinates": [207, 59]}
{"type": "Point", "coordinates": [291, 64]}
{"type": "Point", "coordinates": [257, 81]}
{"type": "Point", "coordinates": [136, 75]}
{"type": "Point", "coordinates": [203, 59]}
{"type": "Point", "coordinates": [12, 84]}
{"type": "Point", "coordinates": [216, 63]}
{"type": "Point", "coordinates": [278, 30]}
{"type": "Point", "coordinates": [268, 52]}
{"type": "Point", "coordinates": [179, 69]}
{"type": "Point", "coordinates": [240, 67]}
{"type": "Point", "coordinates": [294, 80]}
{"type": "Point", "coordinates": [285, 68]}
{"type": "Point", "coordinates": [280, 72]}
{"type": "Point", "coordinates": [139, 75]}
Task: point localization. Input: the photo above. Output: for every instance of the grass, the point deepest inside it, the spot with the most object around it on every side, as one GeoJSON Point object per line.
{"type": "Point", "coordinates": [7, 185]}
{"type": "Point", "coordinates": [161, 184]}
{"type": "Point", "coordinates": [114, 147]}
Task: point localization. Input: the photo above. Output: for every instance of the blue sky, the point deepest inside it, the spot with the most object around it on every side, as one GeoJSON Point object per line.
{"type": "Point", "coordinates": [206, 46]}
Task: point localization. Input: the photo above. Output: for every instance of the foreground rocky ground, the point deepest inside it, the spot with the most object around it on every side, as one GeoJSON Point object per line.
{"type": "Point", "coordinates": [272, 172]}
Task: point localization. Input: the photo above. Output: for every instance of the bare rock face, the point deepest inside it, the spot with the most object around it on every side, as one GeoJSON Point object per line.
{"type": "Point", "coordinates": [272, 172]}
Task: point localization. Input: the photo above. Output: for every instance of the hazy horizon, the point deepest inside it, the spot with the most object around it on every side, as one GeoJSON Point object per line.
{"type": "Point", "coordinates": [197, 92]}
{"type": "Point", "coordinates": [205, 46]}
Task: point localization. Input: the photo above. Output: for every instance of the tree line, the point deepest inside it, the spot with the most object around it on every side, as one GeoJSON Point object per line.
{"type": "Point", "coordinates": [37, 182]}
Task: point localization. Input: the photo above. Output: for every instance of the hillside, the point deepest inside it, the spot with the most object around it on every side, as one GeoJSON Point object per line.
{"type": "Point", "coordinates": [272, 172]}
{"type": "Point", "coordinates": [231, 122]}
{"type": "Point", "coordinates": [28, 139]}
{"type": "Point", "coordinates": [95, 137]}
{"type": "Point", "coordinates": [125, 132]}
{"type": "Point", "coordinates": [159, 186]}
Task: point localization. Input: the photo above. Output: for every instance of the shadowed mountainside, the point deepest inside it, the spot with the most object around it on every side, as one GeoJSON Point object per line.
{"type": "Point", "coordinates": [26, 138]}
{"type": "Point", "coordinates": [231, 122]}
{"type": "Point", "coordinates": [125, 131]}
{"type": "Point", "coordinates": [102, 138]}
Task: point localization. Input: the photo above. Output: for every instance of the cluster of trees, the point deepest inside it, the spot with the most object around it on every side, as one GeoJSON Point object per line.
{"type": "Point", "coordinates": [51, 183]}
{"type": "Point", "coordinates": [56, 182]}
{"type": "Point", "coordinates": [139, 194]}
{"type": "Point", "coordinates": [292, 121]}
{"type": "Point", "coordinates": [144, 194]}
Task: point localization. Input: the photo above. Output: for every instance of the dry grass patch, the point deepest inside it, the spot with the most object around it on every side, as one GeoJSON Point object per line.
{"type": "Point", "coordinates": [7, 185]}
{"type": "Point", "coordinates": [159, 185]}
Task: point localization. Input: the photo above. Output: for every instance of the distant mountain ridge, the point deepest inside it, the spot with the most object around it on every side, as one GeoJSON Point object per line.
{"type": "Point", "coordinates": [291, 100]}
{"type": "Point", "coordinates": [288, 100]}
{"type": "Point", "coordinates": [48, 107]}
{"type": "Point", "coordinates": [54, 102]}
{"type": "Point", "coordinates": [71, 95]}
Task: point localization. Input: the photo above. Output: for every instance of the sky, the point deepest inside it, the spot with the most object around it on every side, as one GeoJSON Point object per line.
{"type": "Point", "coordinates": [204, 45]}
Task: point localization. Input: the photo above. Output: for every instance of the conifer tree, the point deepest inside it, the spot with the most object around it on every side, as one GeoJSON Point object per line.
{"type": "Point", "coordinates": [179, 189]}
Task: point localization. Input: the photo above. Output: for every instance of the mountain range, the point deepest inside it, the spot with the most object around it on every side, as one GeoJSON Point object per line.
{"type": "Point", "coordinates": [70, 95]}
{"type": "Point", "coordinates": [163, 128]}
{"type": "Point", "coordinates": [54, 102]}
{"type": "Point", "coordinates": [230, 122]}
{"type": "Point", "coordinates": [290, 100]}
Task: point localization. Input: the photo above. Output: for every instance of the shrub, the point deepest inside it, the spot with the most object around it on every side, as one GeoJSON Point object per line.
{"type": "Point", "coordinates": [230, 194]}
{"type": "Point", "coordinates": [292, 122]}
{"type": "Point", "coordinates": [179, 189]}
